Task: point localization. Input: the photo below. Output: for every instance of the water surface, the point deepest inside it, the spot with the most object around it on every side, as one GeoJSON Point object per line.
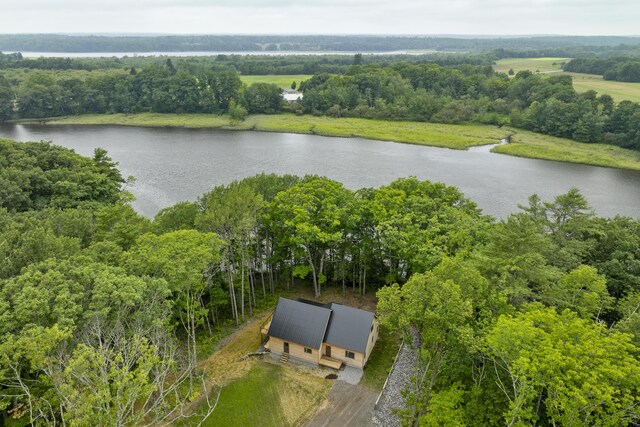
{"type": "Point", "coordinates": [173, 164]}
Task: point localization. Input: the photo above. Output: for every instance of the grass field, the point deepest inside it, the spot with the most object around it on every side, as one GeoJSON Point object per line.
{"type": "Point", "coordinates": [544, 65]}
{"type": "Point", "coordinates": [619, 91]}
{"type": "Point", "coordinates": [526, 144]}
{"type": "Point", "coordinates": [283, 81]}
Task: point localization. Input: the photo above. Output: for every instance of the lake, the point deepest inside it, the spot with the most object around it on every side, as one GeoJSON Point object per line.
{"type": "Point", "coordinates": [174, 164]}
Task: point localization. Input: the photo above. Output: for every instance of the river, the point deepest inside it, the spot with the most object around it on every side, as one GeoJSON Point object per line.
{"type": "Point", "coordinates": [174, 164]}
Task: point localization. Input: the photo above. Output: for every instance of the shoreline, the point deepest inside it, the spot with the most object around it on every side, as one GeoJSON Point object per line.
{"type": "Point", "coordinates": [458, 137]}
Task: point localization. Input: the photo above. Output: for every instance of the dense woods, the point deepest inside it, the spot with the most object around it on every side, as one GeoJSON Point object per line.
{"type": "Point", "coordinates": [401, 90]}
{"type": "Point", "coordinates": [620, 69]}
{"type": "Point", "coordinates": [529, 320]}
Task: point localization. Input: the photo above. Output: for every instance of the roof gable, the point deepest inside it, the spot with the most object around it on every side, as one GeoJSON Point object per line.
{"type": "Point", "coordinates": [299, 322]}
{"type": "Point", "coordinates": [349, 328]}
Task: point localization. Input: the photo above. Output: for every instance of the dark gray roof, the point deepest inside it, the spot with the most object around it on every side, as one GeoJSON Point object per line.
{"type": "Point", "coordinates": [298, 322]}
{"type": "Point", "coordinates": [349, 328]}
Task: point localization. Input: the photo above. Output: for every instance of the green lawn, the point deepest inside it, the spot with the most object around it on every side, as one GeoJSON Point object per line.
{"type": "Point", "coordinates": [283, 81]}
{"type": "Point", "coordinates": [268, 395]}
{"type": "Point", "coordinates": [380, 361]}
{"type": "Point", "coordinates": [252, 400]}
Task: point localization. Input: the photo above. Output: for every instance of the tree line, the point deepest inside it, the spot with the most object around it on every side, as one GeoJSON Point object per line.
{"type": "Point", "coordinates": [400, 91]}
{"type": "Point", "coordinates": [622, 69]}
{"type": "Point", "coordinates": [274, 43]}
{"type": "Point", "coordinates": [244, 64]}
{"type": "Point", "coordinates": [157, 88]}
{"type": "Point", "coordinates": [104, 313]}
{"type": "Point", "coordinates": [466, 93]}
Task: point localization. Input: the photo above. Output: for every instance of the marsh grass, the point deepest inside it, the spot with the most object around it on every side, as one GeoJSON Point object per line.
{"type": "Point", "coordinates": [533, 145]}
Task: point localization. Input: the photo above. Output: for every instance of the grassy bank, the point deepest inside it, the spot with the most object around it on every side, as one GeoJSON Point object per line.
{"type": "Point", "coordinates": [439, 135]}
{"type": "Point", "coordinates": [533, 145]}
{"type": "Point", "coordinates": [525, 144]}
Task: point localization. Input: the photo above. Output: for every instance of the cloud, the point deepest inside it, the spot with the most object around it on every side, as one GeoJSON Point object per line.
{"type": "Point", "coordinates": [323, 16]}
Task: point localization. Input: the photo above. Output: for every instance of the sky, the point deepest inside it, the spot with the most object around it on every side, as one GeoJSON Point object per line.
{"type": "Point", "coordinates": [424, 17]}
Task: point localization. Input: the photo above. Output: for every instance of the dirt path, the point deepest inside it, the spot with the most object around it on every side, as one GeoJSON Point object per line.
{"type": "Point", "coordinates": [348, 405]}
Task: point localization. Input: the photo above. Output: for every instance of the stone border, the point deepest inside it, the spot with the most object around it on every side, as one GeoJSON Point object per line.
{"type": "Point", "coordinates": [391, 397]}
{"type": "Point", "coordinates": [393, 365]}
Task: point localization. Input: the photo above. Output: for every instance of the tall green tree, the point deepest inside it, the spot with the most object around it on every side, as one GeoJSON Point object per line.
{"type": "Point", "coordinates": [559, 369]}
{"type": "Point", "coordinates": [310, 218]}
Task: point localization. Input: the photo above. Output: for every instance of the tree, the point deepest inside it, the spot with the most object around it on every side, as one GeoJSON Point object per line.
{"type": "Point", "coordinates": [232, 212]}
{"type": "Point", "coordinates": [181, 258]}
{"type": "Point", "coordinates": [262, 98]}
{"type": "Point", "coordinates": [582, 290]}
{"type": "Point", "coordinates": [629, 309]}
{"type": "Point", "coordinates": [437, 313]}
{"type": "Point", "coordinates": [310, 218]}
{"type": "Point", "coordinates": [170, 67]}
{"type": "Point", "coordinates": [7, 98]}
{"type": "Point", "coordinates": [181, 216]}
{"type": "Point", "coordinates": [559, 369]}
{"type": "Point", "coordinates": [237, 112]}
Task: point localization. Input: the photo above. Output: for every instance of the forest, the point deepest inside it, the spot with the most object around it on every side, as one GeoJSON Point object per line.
{"type": "Point", "coordinates": [402, 90]}
{"type": "Point", "coordinates": [532, 319]}
{"type": "Point", "coordinates": [622, 69]}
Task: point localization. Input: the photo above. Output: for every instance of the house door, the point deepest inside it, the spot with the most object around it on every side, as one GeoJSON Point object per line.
{"type": "Point", "coordinates": [328, 351]}
{"type": "Point", "coordinates": [286, 347]}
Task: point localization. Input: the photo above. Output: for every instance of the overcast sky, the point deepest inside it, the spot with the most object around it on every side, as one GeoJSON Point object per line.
{"type": "Point", "coordinates": [584, 17]}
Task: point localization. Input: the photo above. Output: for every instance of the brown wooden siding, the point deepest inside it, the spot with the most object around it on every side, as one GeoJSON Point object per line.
{"type": "Point", "coordinates": [295, 350]}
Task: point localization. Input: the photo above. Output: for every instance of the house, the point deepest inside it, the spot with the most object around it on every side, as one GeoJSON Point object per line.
{"type": "Point", "coordinates": [291, 95]}
{"type": "Point", "coordinates": [321, 334]}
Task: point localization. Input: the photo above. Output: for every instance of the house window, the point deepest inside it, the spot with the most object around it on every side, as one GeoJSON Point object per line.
{"type": "Point", "coordinates": [349, 354]}
{"type": "Point", "coordinates": [307, 350]}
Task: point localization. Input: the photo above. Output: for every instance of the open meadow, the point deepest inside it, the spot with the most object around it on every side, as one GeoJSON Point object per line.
{"type": "Point", "coordinates": [543, 65]}
{"type": "Point", "coordinates": [619, 91]}
{"type": "Point", "coordinates": [283, 81]}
